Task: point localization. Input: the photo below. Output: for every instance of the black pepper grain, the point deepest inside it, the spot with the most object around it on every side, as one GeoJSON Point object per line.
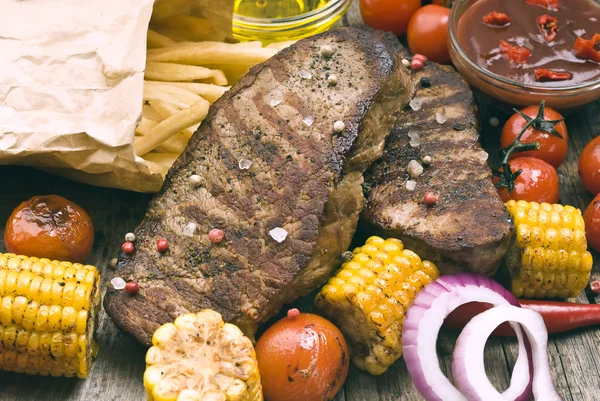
{"type": "Point", "coordinates": [425, 82]}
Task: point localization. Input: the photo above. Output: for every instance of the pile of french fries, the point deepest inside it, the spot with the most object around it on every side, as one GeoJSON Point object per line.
{"type": "Point", "coordinates": [185, 74]}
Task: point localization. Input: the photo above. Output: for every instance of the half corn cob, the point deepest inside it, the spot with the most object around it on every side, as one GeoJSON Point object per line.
{"type": "Point", "coordinates": [548, 256]}
{"type": "Point", "coordinates": [369, 296]}
{"type": "Point", "coordinates": [47, 316]}
{"type": "Point", "coordinates": [200, 358]}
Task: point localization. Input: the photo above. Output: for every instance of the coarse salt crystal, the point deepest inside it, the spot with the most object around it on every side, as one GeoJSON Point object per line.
{"type": "Point", "coordinates": [274, 102]}
{"type": "Point", "coordinates": [308, 120]}
{"type": "Point", "coordinates": [190, 229]}
{"type": "Point", "coordinates": [414, 169]}
{"type": "Point", "coordinates": [482, 155]}
{"type": "Point", "coordinates": [579, 32]}
{"type": "Point", "coordinates": [440, 116]}
{"type": "Point", "coordinates": [245, 164]}
{"type": "Point", "coordinates": [118, 283]}
{"type": "Point", "coordinates": [416, 104]}
{"type": "Point", "coordinates": [415, 140]}
{"type": "Point", "coordinates": [278, 234]}
{"type": "Point", "coordinates": [411, 185]}
{"type": "Point", "coordinates": [305, 74]}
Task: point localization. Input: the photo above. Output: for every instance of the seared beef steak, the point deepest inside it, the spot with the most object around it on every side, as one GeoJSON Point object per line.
{"type": "Point", "coordinates": [468, 228]}
{"type": "Point", "coordinates": [269, 158]}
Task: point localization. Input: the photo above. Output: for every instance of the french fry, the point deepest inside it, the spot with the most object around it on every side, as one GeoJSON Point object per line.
{"type": "Point", "coordinates": [175, 144]}
{"type": "Point", "coordinates": [281, 45]}
{"type": "Point", "coordinates": [163, 91]}
{"type": "Point", "coordinates": [192, 28]}
{"type": "Point", "coordinates": [167, 110]}
{"type": "Point", "coordinates": [145, 126]}
{"type": "Point", "coordinates": [180, 72]}
{"type": "Point", "coordinates": [156, 40]}
{"type": "Point", "coordinates": [207, 91]}
{"type": "Point", "coordinates": [151, 114]}
{"type": "Point", "coordinates": [171, 126]}
{"type": "Point", "coordinates": [212, 55]}
{"type": "Point", "coordinates": [165, 160]}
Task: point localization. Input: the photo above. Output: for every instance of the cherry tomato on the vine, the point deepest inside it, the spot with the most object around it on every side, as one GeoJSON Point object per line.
{"type": "Point", "coordinates": [592, 223]}
{"type": "Point", "coordinates": [538, 182]}
{"type": "Point", "coordinates": [428, 33]}
{"type": "Point", "coordinates": [589, 166]}
{"type": "Point", "coordinates": [389, 15]}
{"type": "Point", "coordinates": [553, 150]}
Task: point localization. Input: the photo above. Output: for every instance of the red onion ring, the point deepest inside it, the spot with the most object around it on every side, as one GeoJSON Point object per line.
{"type": "Point", "coordinates": [424, 320]}
{"type": "Point", "coordinates": [468, 366]}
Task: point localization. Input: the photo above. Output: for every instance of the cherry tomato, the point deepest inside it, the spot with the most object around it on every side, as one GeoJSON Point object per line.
{"type": "Point", "coordinates": [589, 166]}
{"type": "Point", "coordinates": [50, 227]}
{"type": "Point", "coordinates": [592, 223]}
{"type": "Point", "coordinates": [538, 182]}
{"type": "Point", "coordinates": [553, 149]}
{"type": "Point", "coordinates": [302, 357]}
{"type": "Point", "coordinates": [388, 15]}
{"type": "Point", "coordinates": [428, 33]}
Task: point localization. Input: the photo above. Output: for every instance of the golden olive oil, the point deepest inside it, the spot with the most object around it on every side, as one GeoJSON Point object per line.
{"type": "Point", "coordinates": [276, 9]}
{"type": "Point", "coordinates": [280, 20]}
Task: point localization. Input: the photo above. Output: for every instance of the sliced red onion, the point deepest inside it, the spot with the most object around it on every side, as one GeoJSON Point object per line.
{"type": "Point", "coordinates": [468, 366]}
{"type": "Point", "coordinates": [424, 320]}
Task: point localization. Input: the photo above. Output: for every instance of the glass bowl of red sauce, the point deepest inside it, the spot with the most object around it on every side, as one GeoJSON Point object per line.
{"type": "Point", "coordinates": [524, 51]}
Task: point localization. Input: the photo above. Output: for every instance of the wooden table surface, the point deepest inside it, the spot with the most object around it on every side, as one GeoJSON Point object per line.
{"type": "Point", "coordinates": [117, 372]}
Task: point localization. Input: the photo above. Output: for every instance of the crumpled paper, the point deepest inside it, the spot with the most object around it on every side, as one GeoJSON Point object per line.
{"type": "Point", "coordinates": [71, 84]}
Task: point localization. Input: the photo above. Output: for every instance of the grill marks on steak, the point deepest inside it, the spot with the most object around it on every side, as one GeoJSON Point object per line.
{"type": "Point", "coordinates": [304, 178]}
{"type": "Point", "coordinates": [468, 228]}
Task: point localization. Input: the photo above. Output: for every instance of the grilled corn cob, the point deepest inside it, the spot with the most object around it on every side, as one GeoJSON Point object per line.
{"type": "Point", "coordinates": [47, 313]}
{"type": "Point", "coordinates": [548, 255]}
{"type": "Point", "coordinates": [200, 358]}
{"type": "Point", "coordinates": [369, 296]}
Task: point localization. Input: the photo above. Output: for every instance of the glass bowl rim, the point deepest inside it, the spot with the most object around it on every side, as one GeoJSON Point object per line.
{"type": "Point", "coordinates": [490, 76]}
{"type": "Point", "coordinates": [324, 11]}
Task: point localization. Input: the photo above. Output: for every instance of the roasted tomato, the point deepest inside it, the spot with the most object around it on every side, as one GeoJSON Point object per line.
{"type": "Point", "coordinates": [589, 166]}
{"type": "Point", "coordinates": [389, 15]}
{"type": "Point", "coordinates": [496, 19]}
{"type": "Point", "coordinates": [592, 223]}
{"type": "Point", "coordinates": [538, 181]}
{"type": "Point", "coordinates": [303, 357]}
{"type": "Point", "coordinates": [553, 149]}
{"type": "Point", "coordinates": [428, 33]}
{"type": "Point", "coordinates": [50, 227]}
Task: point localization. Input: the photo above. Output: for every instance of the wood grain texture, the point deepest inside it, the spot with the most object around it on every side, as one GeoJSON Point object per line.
{"type": "Point", "coordinates": [117, 372]}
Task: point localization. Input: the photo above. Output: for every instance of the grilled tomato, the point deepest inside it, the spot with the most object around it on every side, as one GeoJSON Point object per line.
{"type": "Point", "coordinates": [553, 149]}
{"type": "Point", "coordinates": [302, 357]}
{"type": "Point", "coordinates": [538, 181]}
{"type": "Point", "coordinates": [52, 227]}
{"type": "Point", "coordinates": [592, 223]}
{"type": "Point", "coordinates": [589, 166]}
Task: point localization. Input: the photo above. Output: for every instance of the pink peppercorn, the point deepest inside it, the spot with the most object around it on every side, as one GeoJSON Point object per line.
{"type": "Point", "coordinates": [215, 235]}
{"type": "Point", "coordinates": [293, 313]}
{"type": "Point", "coordinates": [132, 288]}
{"type": "Point", "coordinates": [429, 199]}
{"type": "Point", "coordinates": [420, 57]}
{"type": "Point", "coordinates": [595, 287]}
{"type": "Point", "coordinates": [162, 245]}
{"type": "Point", "coordinates": [127, 247]}
{"type": "Point", "coordinates": [417, 65]}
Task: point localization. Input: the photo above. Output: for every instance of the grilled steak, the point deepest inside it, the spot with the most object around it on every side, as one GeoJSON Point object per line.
{"type": "Point", "coordinates": [270, 159]}
{"type": "Point", "coordinates": [468, 228]}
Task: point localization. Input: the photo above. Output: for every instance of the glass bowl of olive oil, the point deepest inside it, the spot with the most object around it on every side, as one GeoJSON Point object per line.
{"type": "Point", "coordinates": [279, 20]}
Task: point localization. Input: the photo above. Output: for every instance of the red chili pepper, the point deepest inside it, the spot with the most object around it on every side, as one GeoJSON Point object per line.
{"type": "Point", "coordinates": [544, 75]}
{"type": "Point", "coordinates": [558, 316]}
{"type": "Point", "coordinates": [552, 5]}
{"type": "Point", "coordinates": [548, 26]}
{"type": "Point", "coordinates": [517, 54]}
{"type": "Point", "coordinates": [496, 19]}
{"type": "Point", "coordinates": [588, 49]}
